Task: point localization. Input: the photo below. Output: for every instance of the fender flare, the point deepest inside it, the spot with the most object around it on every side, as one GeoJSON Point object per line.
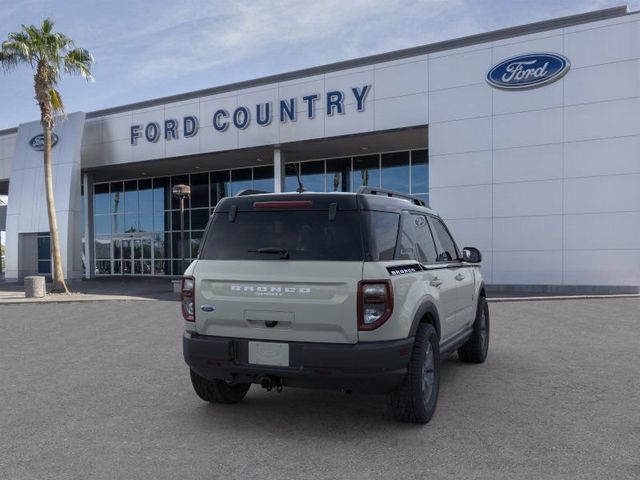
{"type": "Point", "coordinates": [429, 308]}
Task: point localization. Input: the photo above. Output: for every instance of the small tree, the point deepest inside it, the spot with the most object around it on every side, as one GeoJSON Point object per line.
{"type": "Point", "coordinates": [50, 55]}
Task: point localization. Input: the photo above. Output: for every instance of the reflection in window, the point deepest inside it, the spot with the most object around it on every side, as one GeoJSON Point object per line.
{"type": "Point", "coordinates": [200, 190]}
{"type": "Point", "coordinates": [338, 175]}
{"type": "Point", "coordinates": [263, 179]}
{"type": "Point", "coordinates": [161, 194]}
{"type": "Point", "coordinates": [117, 197]}
{"type": "Point", "coordinates": [395, 171]}
{"type": "Point", "coordinates": [366, 171]}
{"type": "Point", "coordinates": [219, 186]}
{"type": "Point", "coordinates": [240, 180]}
{"type": "Point", "coordinates": [101, 198]}
{"type": "Point", "coordinates": [312, 174]}
{"type": "Point", "coordinates": [291, 177]}
{"type": "Point", "coordinates": [131, 196]}
{"type": "Point", "coordinates": [419, 171]}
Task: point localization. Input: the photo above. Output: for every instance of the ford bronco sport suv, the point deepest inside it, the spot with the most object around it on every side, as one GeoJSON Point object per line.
{"type": "Point", "coordinates": [363, 292]}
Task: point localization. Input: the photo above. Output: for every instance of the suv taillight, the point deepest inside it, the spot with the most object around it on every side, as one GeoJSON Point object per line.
{"type": "Point", "coordinates": [187, 300]}
{"type": "Point", "coordinates": [375, 303]}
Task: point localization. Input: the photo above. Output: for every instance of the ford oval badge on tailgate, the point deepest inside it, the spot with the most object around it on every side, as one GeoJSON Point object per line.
{"type": "Point", "coordinates": [207, 308]}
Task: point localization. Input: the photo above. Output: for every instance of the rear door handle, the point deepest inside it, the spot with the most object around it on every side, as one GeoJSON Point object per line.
{"type": "Point", "coordinates": [459, 277]}
{"type": "Point", "coordinates": [435, 282]}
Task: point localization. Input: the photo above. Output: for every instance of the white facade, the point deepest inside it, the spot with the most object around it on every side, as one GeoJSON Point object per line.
{"type": "Point", "coordinates": [544, 181]}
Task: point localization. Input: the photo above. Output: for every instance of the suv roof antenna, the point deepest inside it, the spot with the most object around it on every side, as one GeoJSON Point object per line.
{"type": "Point", "coordinates": [301, 187]}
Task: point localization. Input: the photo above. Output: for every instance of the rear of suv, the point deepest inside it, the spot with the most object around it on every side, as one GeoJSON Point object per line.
{"type": "Point", "coordinates": [361, 292]}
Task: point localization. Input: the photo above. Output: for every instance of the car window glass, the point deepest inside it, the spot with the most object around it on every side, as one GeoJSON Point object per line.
{"type": "Point", "coordinates": [449, 251]}
{"type": "Point", "coordinates": [416, 242]}
{"type": "Point", "coordinates": [383, 234]}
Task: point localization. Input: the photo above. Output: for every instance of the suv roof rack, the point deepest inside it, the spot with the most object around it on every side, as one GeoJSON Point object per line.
{"type": "Point", "coordinates": [249, 191]}
{"type": "Point", "coordinates": [390, 193]}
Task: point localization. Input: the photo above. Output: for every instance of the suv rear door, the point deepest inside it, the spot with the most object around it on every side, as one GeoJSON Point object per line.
{"type": "Point", "coordinates": [285, 274]}
{"type": "Point", "coordinates": [464, 280]}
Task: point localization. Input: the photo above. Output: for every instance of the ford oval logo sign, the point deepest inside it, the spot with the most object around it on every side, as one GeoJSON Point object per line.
{"type": "Point", "coordinates": [528, 71]}
{"type": "Point", "coordinates": [37, 142]}
{"type": "Point", "coordinates": [207, 308]}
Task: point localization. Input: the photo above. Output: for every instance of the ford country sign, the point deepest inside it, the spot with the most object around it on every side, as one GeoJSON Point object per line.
{"type": "Point", "coordinates": [37, 142]}
{"type": "Point", "coordinates": [528, 71]}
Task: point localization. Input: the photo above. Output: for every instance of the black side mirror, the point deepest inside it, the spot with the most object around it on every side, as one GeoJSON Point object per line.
{"type": "Point", "coordinates": [471, 255]}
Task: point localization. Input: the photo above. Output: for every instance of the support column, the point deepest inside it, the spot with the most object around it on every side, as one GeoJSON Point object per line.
{"type": "Point", "coordinates": [87, 200]}
{"type": "Point", "coordinates": [278, 170]}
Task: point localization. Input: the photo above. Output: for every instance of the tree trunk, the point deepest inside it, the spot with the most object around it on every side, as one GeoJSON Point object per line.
{"type": "Point", "coordinates": [59, 284]}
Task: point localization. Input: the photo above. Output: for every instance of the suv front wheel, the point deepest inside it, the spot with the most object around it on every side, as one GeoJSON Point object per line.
{"type": "Point", "coordinates": [415, 399]}
{"type": "Point", "coordinates": [218, 391]}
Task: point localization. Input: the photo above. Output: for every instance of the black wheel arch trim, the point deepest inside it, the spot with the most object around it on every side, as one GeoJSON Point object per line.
{"type": "Point", "coordinates": [427, 308]}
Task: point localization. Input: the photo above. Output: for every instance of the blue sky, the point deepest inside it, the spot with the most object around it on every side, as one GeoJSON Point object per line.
{"type": "Point", "coordinates": [147, 49]}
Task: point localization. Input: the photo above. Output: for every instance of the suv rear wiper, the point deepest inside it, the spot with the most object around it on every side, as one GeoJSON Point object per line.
{"type": "Point", "coordinates": [284, 253]}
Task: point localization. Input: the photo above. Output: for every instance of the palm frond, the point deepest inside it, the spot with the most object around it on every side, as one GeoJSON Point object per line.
{"type": "Point", "coordinates": [56, 101]}
{"type": "Point", "coordinates": [78, 61]}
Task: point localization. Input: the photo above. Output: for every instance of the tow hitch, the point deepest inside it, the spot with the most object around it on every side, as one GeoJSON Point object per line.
{"type": "Point", "coordinates": [271, 382]}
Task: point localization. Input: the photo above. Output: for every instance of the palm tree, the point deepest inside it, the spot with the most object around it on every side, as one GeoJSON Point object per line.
{"type": "Point", "coordinates": [50, 55]}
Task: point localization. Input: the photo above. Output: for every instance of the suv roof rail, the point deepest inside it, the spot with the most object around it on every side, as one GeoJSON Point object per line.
{"type": "Point", "coordinates": [249, 191]}
{"type": "Point", "coordinates": [390, 193]}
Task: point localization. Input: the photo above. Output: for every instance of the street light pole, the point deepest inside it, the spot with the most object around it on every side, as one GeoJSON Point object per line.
{"type": "Point", "coordinates": [182, 192]}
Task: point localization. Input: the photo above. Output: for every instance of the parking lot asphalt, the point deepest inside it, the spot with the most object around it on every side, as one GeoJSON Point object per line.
{"type": "Point", "coordinates": [100, 391]}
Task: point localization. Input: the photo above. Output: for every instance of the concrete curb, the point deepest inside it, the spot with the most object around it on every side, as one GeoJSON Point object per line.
{"type": "Point", "coordinates": [560, 297]}
{"type": "Point", "coordinates": [74, 299]}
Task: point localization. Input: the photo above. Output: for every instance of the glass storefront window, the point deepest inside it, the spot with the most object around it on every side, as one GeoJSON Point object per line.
{"type": "Point", "coordinates": [241, 179]}
{"type": "Point", "coordinates": [290, 178]}
{"type": "Point", "coordinates": [219, 186]}
{"type": "Point", "coordinates": [263, 178]}
{"type": "Point", "coordinates": [199, 190]}
{"type": "Point", "coordinates": [199, 218]}
{"type": "Point", "coordinates": [196, 237]}
{"type": "Point", "coordinates": [312, 175]}
{"type": "Point", "coordinates": [102, 224]}
{"type": "Point", "coordinates": [366, 171]}
{"type": "Point", "coordinates": [131, 203]}
{"type": "Point", "coordinates": [117, 192]}
{"type": "Point", "coordinates": [175, 220]}
{"type": "Point", "coordinates": [160, 221]}
{"type": "Point", "coordinates": [395, 171]}
{"type": "Point", "coordinates": [161, 194]}
{"type": "Point", "coordinates": [419, 171]}
{"type": "Point", "coordinates": [145, 196]}
{"type": "Point", "coordinates": [144, 210]}
{"type": "Point", "coordinates": [103, 248]}
{"type": "Point", "coordinates": [131, 223]}
{"type": "Point", "coordinates": [101, 198]}
{"type": "Point", "coordinates": [338, 175]}
{"type": "Point", "coordinates": [145, 222]}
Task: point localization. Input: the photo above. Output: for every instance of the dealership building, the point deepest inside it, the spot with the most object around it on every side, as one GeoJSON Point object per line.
{"type": "Point", "coordinates": [526, 140]}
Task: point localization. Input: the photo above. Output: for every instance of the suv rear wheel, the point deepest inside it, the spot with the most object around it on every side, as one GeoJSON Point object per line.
{"type": "Point", "coordinates": [218, 391]}
{"type": "Point", "coordinates": [415, 400]}
{"type": "Point", "coordinates": [476, 348]}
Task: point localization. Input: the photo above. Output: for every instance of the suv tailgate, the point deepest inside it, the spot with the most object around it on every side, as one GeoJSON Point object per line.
{"type": "Point", "coordinates": [309, 301]}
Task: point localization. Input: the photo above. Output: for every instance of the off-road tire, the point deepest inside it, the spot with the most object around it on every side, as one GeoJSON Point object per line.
{"type": "Point", "coordinates": [218, 391]}
{"type": "Point", "coordinates": [413, 401]}
{"type": "Point", "coordinates": [476, 348]}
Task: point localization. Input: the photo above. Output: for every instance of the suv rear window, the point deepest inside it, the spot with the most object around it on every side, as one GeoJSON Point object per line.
{"type": "Point", "coordinates": [304, 235]}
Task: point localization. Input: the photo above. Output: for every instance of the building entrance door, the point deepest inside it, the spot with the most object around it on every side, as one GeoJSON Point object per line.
{"type": "Point", "coordinates": [133, 255]}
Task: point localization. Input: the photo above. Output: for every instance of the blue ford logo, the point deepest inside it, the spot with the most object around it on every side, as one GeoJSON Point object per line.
{"type": "Point", "coordinates": [528, 71]}
{"type": "Point", "coordinates": [37, 142]}
{"type": "Point", "coordinates": [207, 308]}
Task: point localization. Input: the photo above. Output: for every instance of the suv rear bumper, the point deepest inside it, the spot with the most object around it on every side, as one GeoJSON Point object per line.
{"type": "Point", "coordinates": [372, 367]}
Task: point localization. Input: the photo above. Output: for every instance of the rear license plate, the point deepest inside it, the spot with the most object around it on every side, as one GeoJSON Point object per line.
{"type": "Point", "coordinates": [268, 353]}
